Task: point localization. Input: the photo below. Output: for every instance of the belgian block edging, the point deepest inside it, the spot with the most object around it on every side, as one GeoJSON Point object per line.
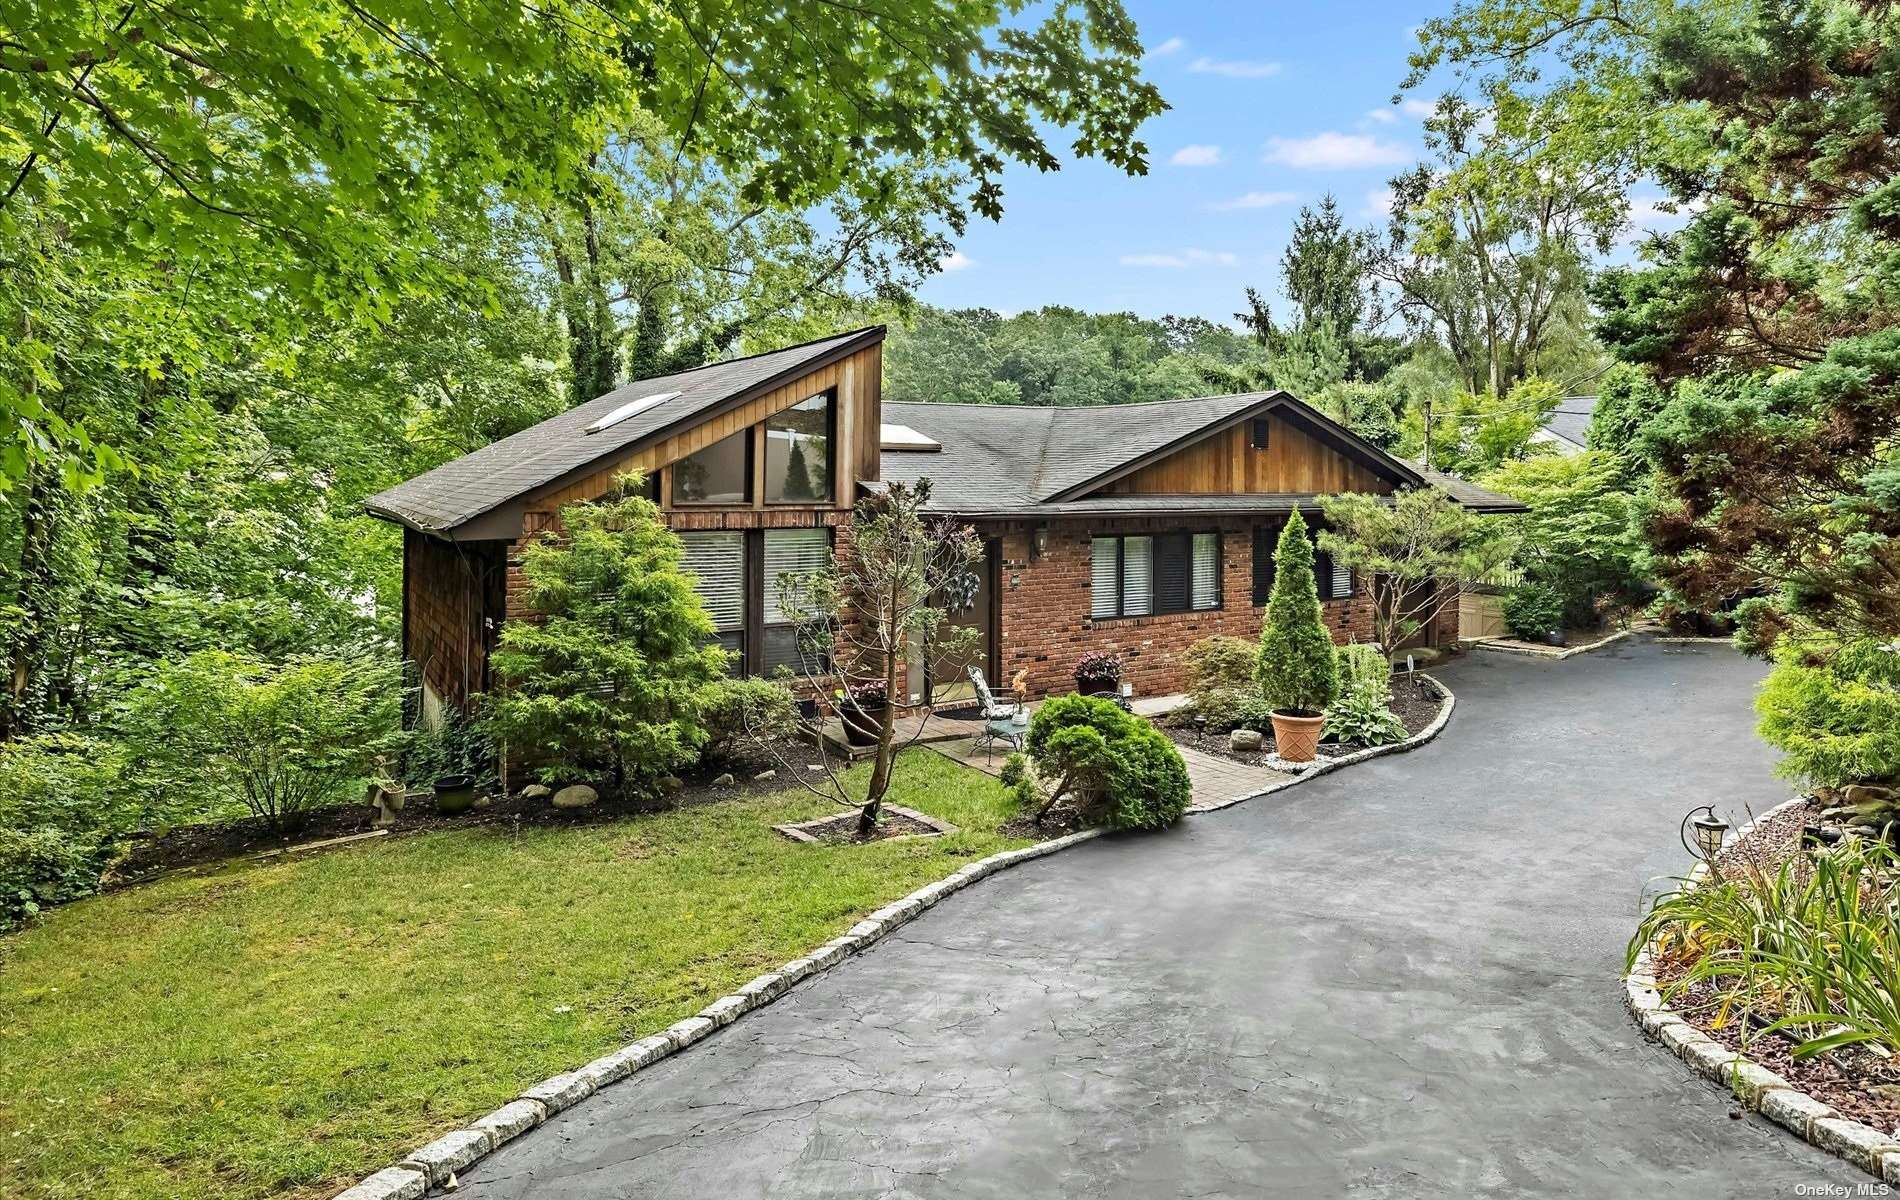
{"type": "Point", "coordinates": [1554, 652]}
{"type": "Point", "coordinates": [433, 1165]}
{"type": "Point", "coordinates": [1757, 1087]}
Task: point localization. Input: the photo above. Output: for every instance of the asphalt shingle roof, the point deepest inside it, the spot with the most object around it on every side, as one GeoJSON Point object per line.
{"type": "Point", "coordinates": [459, 491]}
{"type": "Point", "coordinates": [1015, 459]}
{"type": "Point", "coordinates": [1570, 420]}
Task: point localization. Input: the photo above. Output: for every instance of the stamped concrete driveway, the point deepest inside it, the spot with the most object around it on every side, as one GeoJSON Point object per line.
{"type": "Point", "coordinates": [1397, 980]}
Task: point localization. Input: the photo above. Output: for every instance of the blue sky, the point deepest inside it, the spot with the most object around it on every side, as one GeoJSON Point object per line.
{"type": "Point", "coordinates": [1274, 105]}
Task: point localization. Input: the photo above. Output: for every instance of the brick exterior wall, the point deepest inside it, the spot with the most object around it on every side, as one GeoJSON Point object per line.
{"type": "Point", "coordinates": [1046, 625]}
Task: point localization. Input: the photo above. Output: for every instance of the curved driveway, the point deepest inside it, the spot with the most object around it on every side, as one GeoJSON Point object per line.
{"type": "Point", "coordinates": [1398, 980]}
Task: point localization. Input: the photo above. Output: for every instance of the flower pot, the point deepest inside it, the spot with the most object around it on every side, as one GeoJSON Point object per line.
{"type": "Point", "coordinates": [1096, 686]}
{"type": "Point", "coordinates": [860, 727]}
{"type": "Point", "coordinates": [1556, 637]}
{"type": "Point", "coordinates": [454, 794]}
{"type": "Point", "coordinates": [1296, 738]}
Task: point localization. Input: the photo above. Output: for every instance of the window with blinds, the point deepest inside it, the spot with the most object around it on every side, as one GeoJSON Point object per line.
{"type": "Point", "coordinates": [1105, 568]}
{"type": "Point", "coordinates": [789, 552]}
{"type": "Point", "coordinates": [1138, 576]}
{"type": "Point", "coordinates": [717, 563]}
{"type": "Point", "coordinates": [1333, 581]}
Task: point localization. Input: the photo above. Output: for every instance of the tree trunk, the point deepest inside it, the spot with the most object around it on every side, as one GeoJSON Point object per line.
{"type": "Point", "coordinates": [33, 596]}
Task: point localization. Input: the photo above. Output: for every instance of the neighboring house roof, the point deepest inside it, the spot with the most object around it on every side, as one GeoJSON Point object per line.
{"type": "Point", "coordinates": [460, 491]}
{"type": "Point", "coordinates": [1022, 460]}
{"type": "Point", "coordinates": [1569, 423]}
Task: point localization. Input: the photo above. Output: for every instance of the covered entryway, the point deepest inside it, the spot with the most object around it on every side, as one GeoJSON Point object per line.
{"type": "Point", "coordinates": [948, 678]}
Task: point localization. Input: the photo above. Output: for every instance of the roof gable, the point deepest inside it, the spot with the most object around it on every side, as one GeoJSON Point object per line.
{"type": "Point", "coordinates": [459, 492]}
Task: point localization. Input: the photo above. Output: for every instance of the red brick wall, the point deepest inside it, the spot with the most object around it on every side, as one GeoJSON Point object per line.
{"type": "Point", "coordinates": [1045, 619]}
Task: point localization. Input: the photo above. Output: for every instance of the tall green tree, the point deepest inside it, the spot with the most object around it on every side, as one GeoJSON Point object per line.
{"type": "Point", "coordinates": [236, 170]}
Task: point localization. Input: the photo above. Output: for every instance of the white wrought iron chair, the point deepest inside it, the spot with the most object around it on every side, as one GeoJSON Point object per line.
{"type": "Point", "coordinates": [1001, 722]}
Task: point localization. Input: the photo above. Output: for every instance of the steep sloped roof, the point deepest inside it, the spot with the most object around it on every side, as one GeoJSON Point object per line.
{"type": "Point", "coordinates": [1570, 420]}
{"type": "Point", "coordinates": [460, 491]}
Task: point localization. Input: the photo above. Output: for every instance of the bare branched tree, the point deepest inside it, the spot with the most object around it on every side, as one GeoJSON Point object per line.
{"type": "Point", "coordinates": [860, 623]}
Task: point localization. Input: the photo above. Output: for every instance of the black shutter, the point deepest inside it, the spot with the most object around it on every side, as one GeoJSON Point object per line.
{"type": "Point", "coordinates": [1323, 573]}
{"type": "Point", "coordinates": [1263, 546]}
{"type": "Point", "coordinates": [1174, 572]}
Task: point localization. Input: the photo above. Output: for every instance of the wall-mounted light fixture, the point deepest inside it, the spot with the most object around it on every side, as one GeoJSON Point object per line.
{"type": "Point", "coordinates": [1038, 541]}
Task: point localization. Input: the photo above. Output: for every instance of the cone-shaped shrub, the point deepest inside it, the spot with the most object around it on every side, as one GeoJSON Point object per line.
{"type": "Point", "coordinates": [1297, 674]}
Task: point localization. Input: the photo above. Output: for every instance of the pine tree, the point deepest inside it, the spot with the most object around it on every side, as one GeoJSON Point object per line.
{"type": "Point", "coordinates": [1297, 673]}
{"type": "Point", "coordinates": [797, 478]}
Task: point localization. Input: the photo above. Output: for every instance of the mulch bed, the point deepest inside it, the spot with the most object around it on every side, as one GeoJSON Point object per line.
{"type": "Point", "coordinates": [1413, 700]}
{"type": "Point", "coordinates": [842, 829]}
{"type": "Point", "coordinates": [1854, 1082]}
{"type": "Point", "coordinates": [197, 845]}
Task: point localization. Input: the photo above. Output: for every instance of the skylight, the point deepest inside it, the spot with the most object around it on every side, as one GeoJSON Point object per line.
{"type": "Point", "coordinates": [903, 437]}
{"type": "Point", "coordinates": [630, 408]}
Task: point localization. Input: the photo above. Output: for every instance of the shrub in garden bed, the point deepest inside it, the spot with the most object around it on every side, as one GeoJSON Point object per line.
{"type": "Point", "coordinates": [1117, 769]}
{"type": "Point", "coordinates": [1363, 716]}
{"type": "Point", "coordinates": [1220, 681]}
{"type": "Point", "coordinates": [63, 810]}
{"type": "Point", "coordinates": [1534, 611]}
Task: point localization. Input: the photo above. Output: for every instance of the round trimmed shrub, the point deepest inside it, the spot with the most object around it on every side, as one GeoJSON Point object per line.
{"type": "Point", "coordinates": [1148, 787]}
{"type": "Point", "coordinates": [1534, 610]}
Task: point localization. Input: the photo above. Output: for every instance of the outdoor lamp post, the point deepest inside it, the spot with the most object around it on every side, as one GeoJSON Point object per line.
{"type": "Point", "coordinates": [1709, 832]}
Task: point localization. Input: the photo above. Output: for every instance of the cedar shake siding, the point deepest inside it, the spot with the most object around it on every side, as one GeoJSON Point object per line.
{"type": "Point", "coordinates": [453, 605]}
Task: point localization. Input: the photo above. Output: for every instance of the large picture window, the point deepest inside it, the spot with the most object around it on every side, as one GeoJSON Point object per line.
{"type": "Point", "coordinates": [737, 575]}
{"type": "Point", "coordinates": [719, 474]}
{"type": "Point", "coordinates": [1334, 580]}
{"type": "Point", "coordinates": [1143, 575]}
{"type": "Point", "coordinates": [798, 453]}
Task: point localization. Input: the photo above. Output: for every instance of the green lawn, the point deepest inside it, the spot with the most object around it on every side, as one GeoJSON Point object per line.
{"type": "Point", "coordinates": [281, 1029]}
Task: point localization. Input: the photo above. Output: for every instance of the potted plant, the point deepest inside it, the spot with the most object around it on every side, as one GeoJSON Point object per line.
{"type": "Point", "coordinates": [1297, 672]}
{"type": "Point", "coordinates": [454, 759]}
{"type": "Point", "coordinates": [1098, 674]}
{"type": "Point", "coordinates": [861, 711]}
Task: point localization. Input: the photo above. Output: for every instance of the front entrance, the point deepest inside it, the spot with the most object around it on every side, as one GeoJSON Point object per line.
{"type": "Point", "coordinates": [948, 679]}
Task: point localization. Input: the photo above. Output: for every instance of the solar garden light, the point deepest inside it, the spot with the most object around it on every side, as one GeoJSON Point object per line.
{"type": "Point", "coordinates": [1709, 832]}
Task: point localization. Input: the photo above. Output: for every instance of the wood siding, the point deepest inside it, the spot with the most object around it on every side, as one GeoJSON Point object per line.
{"type": "Point", "coordinates": [452, 608]}
{"type": "Point", "coordinates": [1226, 463]}
{"type": "Point", "coordinates": [857, 381]}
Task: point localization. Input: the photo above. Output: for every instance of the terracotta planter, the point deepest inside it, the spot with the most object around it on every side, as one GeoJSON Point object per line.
{"type": "Point", "coordinates": [1296, 739]}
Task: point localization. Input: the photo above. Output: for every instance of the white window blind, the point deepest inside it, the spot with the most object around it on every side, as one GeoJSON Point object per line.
{"type": "Point", "coordinates": [1105, 576]}
{"type": "Point", "coordinates": [798, 551]}
{"type": "Point", "coordinates": [1138, 576]}
{"type": "Point", "coordinates": [1206, 571]}
{"type": "Point", "coordinates": [718, 562]}
{"type": "Point", "coordinates": [1342, 581]}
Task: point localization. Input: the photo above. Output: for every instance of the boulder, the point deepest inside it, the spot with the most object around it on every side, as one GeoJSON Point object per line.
{"type": "Point", "coordinates": [578, 795]}
{"type": "Point", "coordinates": [764, 775]}
{"type": "Point", "coordinates": [536, 791]}
{"type": "Point", "coordinates": [725, 780]}
{"type": "Point", "coordinates": [670, 784]}
{"type": "Point", "coordinates": [1244, 739]}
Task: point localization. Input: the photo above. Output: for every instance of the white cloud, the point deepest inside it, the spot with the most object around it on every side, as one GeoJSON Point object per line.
{"type": "Point", "coordinates": [1233, 68]}
{"type": "Point", "coordinates": [1389, 114]}
{"type": "Point", "coordinates": [1196, 156]}
{"type": "Point", "coordinates": [956, 260]}
{"type": "Point", "coordinates": [1379, 203]}
{"type": "Point", "coordinates": [1173, 45]}
{"type": "Point", "coordinates": [1186, 258]}
{"type": "Point", "coordinates": [1255, 200]}
{"type": "Point", "coordinates": [1335, 151]}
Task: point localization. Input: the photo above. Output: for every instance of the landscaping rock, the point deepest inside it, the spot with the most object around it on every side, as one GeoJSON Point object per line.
{"type": "Point", "coordinates": [1862, 1145]}
{"type": "Point", "coordinates": [536, 791]}
{"type": "Point", "coordinates": [578, 795]}
{"type": "Point", "coordinates": [511, 1120]}
{"type": "Point", "coordinates": [1245, 739]}
{"type": "Point", "coordinates": [1793, 1110]}
{"type": "Point", "coordinates": [560, 1092]}
{"type": "Point", "coordinates": [725, 780]}
{"type": "Point", "coordinates": [670, 784]}
{"type": "Point", "coordinates": [764, 775]}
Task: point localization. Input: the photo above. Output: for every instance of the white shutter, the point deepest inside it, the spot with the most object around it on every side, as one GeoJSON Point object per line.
{"type": "Point", "coordinates": [1104, 572]}
{"type": "Point", "coordinates": [718, 562]}
{"type": "Point", "coordinates": [1206, 571]}
{"type": "Point", "coordinates": [799, 551]}
{"type": "Point", "coordinates": [1342, 581]}
{"type": "Point", "coordinates": [1138, 584]}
